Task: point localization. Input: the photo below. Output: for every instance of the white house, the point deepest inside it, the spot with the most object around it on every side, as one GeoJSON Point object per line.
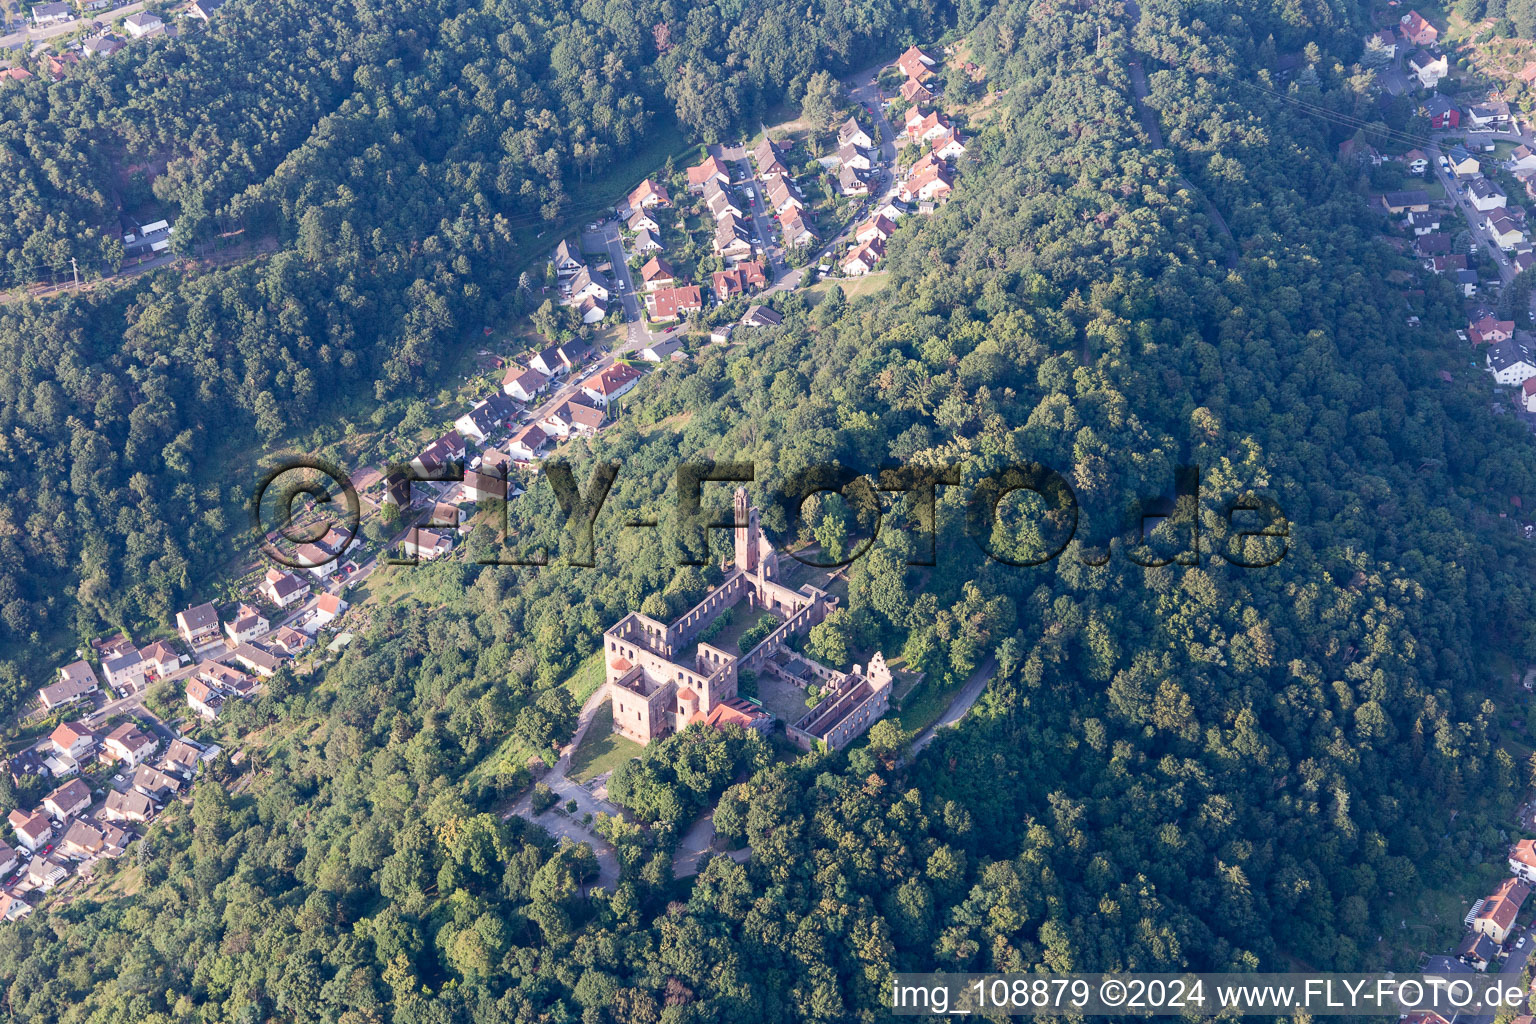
{"type": "Point", "coordinates": [282, 588]}
{"type": "Point", "coordinates": [1511, 362]}
{"type": "Point", "coordinates": [1429, 68]}
{"type": "Point", "coordinates": [247, 625]}
{"type": "Point", "coordinates": [331, 605]}
{"type": "Point", "coordinates": [125, 671]}
{"type": "Point", "coordinates": [142, 24]}
{"type": "Point", "coordinates": [129, 744]}
{"type": "Point", "coordinates": [1485, 195]}
{"type": "Point", "coordinates": [613, 383]}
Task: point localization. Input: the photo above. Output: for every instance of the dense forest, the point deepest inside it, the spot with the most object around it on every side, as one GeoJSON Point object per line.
{"type": "Point", "coordinates": [402, 157]}
{"type": "Point", "coordinates": [1176, 766]}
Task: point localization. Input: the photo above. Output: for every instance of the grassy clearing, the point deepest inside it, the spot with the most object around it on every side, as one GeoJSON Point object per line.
{"type": "Point", "coordinates": [602, 750]}
{"type": "Point", "coordinates": [925, 705]}
{"type": "Point", "coordinates": [588, 676]}
{"type": "Point", "coordinates": [853, 287]}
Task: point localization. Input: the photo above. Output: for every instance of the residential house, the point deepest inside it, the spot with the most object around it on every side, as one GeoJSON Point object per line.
{"type": "Point", "coordinates": [51, 14]}
{"type": "Point", "coordinates": [573, 353]}
{"type": "Point", "coordinates": [1446, 264]}
{"type": "Point", "coordinates": [565, 260]}
{"type": "Point", "coordinates": [486, 418]}
{"type": "Point", "coordinates": [796, 228]}
{"type": "Point", "coordinates": [720, 202]}
{"type": "Point", "coordinates": [1422, 223]}
{"type": "Point", "coordinates": [154, 783]}
{"type": "Point", "coordinates": [1500, 909]}
{"type": "Point", "coordinates": [933, 185]}
{"type": "Point", "coordinates": [58, 64]}
{"type": "Point", "coordinates": [782, 195]}
{"type": "Point", "coordinates": [32, 828]}
{"type": "Point", "coordinates": [437, 459]}
{"type": "Point", "coordinates": [1505, 233]}
{"type": "Point", "coordinates": [914, 91]}
{"type": "Point", "coordinates": [1462, 163]}
{"type": "Point", "coordinates": [426, 544]}
{"type": "Point", "coordinates": [288, 640]}
{"type": "Point", "coordinates": [1383, 40]}
{"type": "Point", "coordinates": [856, 158]}
{"type": "Point", "coordinates": [198, 626]}
{"type": "Point", "coordinates": [669, 304]}
{"type": "Point", "coordinates": [1442, 113]}
{"type": "Point", "coordinates": [731, 239]}
{"type": "Point", "coordinates": [948, 147]}
{"type": "Point", "coordinates": [183, 756]}
{"type": "Point", "coordinates": [877, 227]}
{"type": "Point", "coordinates": [640, 220]}
{"type": "Point", "coordinates": [128, 744]}
{"type": "Point", "coordinates": [710, 169]}
{"type": "Point", "coordinates": [1426, 246]}
{"type": "Point", "coordinates": [143, 24]}
{"type": "Point", "coordinates": [648, 194]}
{"type": "Point", "coordinates": [13, 908]}
{"type": "Point", "coordinates": [101, 46]}
{"type": "Point", "coordinates": [1492, 114]}
{"type": "Point", "coordinates": [646, 241]}
{"type": "Point", "coordinates": [528, 443]}
{"type": "Point", "coordinates": [8, 859]}
{"type": "Point", "coordinates": [1485, 195]}
{"type": "Point", "coordinates": [765, 155]}
{"type": "Point", "coordinates": [1511, 363]}
{"type": "Point", "coordinates": [586, 282]}
{"type": "Point", "coordinates": [576, 417]}
{"type": "Point", "coordinates": [1488, 331]}
{"type": "Point", "coordinates": [657, 273]}
{"type": "Point", "coordinates": [81, 841]}
{"type": "Point", "coordinates": [863, 258]}
{"type": "Point", "coordinates": [742, 279]}
{"type": "Point", "coordinates": [548, 362]}
{"type": "Point", "coordinates": [43, 873]}
{"type": "Point", "coordinates": [1416, 161]}
{"type": "Point", "coordinates": [1528, 400]}
{"type": "Point", "coordinates": [14, 75]}
{"type": "Point", "coordinates": [247, 624]}
{"type": "Point", "coordinates": [73, 740]}
{"type": "Point", "coordinates": [1429, 68]}
{"type": "Point", "coordinates": [1467, 281]}
{"type": "Point", "coordinates": [1417, 30]}
{"type": "Point", "coordinates": [1523, 160]}
{"type": "Point", "coordinates": [926, 127]}
{"type": "Point", "coordinates": [851, 134]}
{"type": "Point", "coordinates": [720, 335]}
{"type": "Point", "coordinates": [206, 701]}
{"type": "Point", "coordinates": [76, 680]}
{"type": "Point", "coordinates": [617, 380]}
{"type": "Point", "coordinates": [129, 805]}
{"type": "Point", "coordinates": [331, 606]}
{"type": "Point", "coordinates": [1527, 74]}
{"type": "Point", "coordinates": [524, 383]}
{"type": "Point", "coordinates": [849, 183]}
{"type": "Point", "coordinates": [761, 316]}
{"type": "Point", "coordinates": [479, 485]}
{"type": "Point", "coordinates": [662, 351]}
{"type": "Point", "coordinates": [915, 63]}
{"type": "Point", "coordinates": [281, 587]}
{"type": "Point", "coordinates": [68, 800]}
{"type": "Point", "coordinates": [202, 10]}
{"type": "Point", "coordinates": [259, 660]}
{"type": "Point", "coordinates": [1412, 201]}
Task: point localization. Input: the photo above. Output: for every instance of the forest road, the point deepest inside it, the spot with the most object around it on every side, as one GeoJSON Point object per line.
{"type": "Point", "coordinates": [968, 695]}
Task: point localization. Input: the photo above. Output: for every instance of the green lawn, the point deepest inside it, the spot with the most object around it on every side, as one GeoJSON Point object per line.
{"type": "Point", "coordinates": [588, 676]}
{"type": "Point", "coordinates": [925, 705]}
{"type": "Point", "coordinates": [602, 749]}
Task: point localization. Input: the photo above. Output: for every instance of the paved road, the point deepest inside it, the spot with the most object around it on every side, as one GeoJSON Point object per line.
{"type": "Point", "coordinates": [637, 335]}
{"type": "Point", "coordinates": [968, 695]}
{"type": "Point", "coordinates": [33, 35]}
{"type": "Point", "coordinates": [1473, 218]}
